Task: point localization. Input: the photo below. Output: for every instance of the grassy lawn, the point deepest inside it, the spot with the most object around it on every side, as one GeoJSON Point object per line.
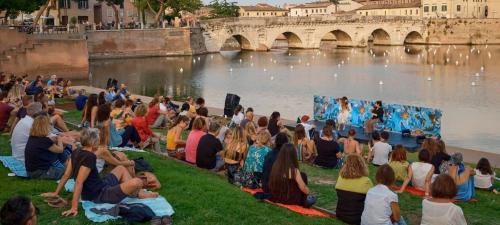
{"type": "Point", "coordinates": [201, 197]}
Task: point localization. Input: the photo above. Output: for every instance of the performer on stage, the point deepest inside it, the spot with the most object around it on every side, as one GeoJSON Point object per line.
{"type": "Point", "coordinates": [344, 114]}
{"type": "Point", "coordinates": [377, 116]}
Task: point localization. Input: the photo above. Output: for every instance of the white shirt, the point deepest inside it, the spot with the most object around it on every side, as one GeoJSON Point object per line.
{"type": "Point", "coordinates": [420, 171]}
{"type": "Point", "coordinates": [20, 137]}
{"type": "Point", "coordinates": [378, 209]}
{"type": "Point", "coordinates": [163, 107]}
{"type": "Point", "coordinates": [307, 128]}
{"type": "Point", "coordinates": [483, 180]}
{"type": "Point", "coordinates": [434, 213]}
{"type": "Point", "coordinates": [381, 152]}
{"type": "Point", "coordinates": [238, 118]}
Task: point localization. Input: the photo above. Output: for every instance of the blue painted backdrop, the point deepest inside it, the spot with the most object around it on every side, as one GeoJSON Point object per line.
{"type": "Point", "coordinates": [396, 117]}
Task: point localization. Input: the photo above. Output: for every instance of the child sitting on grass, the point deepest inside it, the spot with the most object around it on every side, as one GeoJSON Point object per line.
{"type": "Point", "coordinates": [485, 176]}
{"type": "Point", "coordinates": [381, 204]}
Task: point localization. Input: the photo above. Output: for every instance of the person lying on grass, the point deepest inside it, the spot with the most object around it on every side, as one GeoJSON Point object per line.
{"type": "Point", "coordinates": [112, 189]}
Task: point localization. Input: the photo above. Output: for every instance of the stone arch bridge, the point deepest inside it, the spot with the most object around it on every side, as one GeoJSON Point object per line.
{"type": "Point", "coordinates": [307, 32]}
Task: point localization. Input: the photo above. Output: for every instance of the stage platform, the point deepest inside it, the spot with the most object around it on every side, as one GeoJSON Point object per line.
{"type": "Point", "coordinates": [410, 143]}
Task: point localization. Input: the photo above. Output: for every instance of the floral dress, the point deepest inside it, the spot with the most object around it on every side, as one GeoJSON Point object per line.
{"type": "Point", "coordinates": [254, 163]}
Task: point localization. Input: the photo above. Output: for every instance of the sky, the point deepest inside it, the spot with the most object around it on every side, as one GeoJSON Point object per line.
{"type": "Point", "coordinates": [270, 2]}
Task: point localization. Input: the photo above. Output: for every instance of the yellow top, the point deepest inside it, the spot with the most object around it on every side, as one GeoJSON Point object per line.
{"type": "Point", "coordinates": [192, 109]}
{"type": "Point", "coordinates": [170, 139]}
{"type": "Point", "coordinates": [400, 169]}
{"type": "Point", "coordinates": [358, 185]}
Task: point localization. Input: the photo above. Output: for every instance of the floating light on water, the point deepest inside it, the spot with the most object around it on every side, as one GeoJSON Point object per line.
{"type": "Point", "coordinates": [300, 60]}
{"type": "Point", "coordinates": [230, 69]}
{"type": "Point", "coordinates": [265, 69]}
{"type": "Point", "coordinates": [429, 79]}
{"type": "Point", "coordinates": [473, 83]}
{"type": "Point", "coordinates": [338, 65]}
{"type": "Point", "coordinates": [386, 66]}
{"type": "Point", "coordinates": [241, 60]}
{"type": "Point", "coordinates": [387, 61]}
{"type": "Point", "coordinates": [335, 75]}
{"type": "Point", "coordinates": [477, 74]}
{"type": "Point", "coordinates": [456, 63]}
{"type": "Point", "coordinates": [460, 55]}
{"type": "Point", "coordinates": [489, 55]}
{"type": "Point", "coordinates": [251, 64]}
{"type": "Point", "coordinates": [181, 70]}
{"type": "Point", "coordinates": [212, 56]}
{"type": "Point", "coordinates": [274, 61]}
{"type": "Point", "coordinates": [447, 60]}
{"type": "Point", "coordinates": [289, 54]}
{"type": "Point", "coordinates": [348, 58]}
{"type": "Point", "coordinates": [199, 58]}
{"type": "Point", "coordinates": [478, 51]}
{"type": "Point", "coordinates": [308, 64]}
{"type": "Point", "coordinates": [482, 68]}
{"type": "Point", "coordinates": [272, 77]}
{"type": "Point", "coordinates": [381, 83]}
{"type": "Point", "coordinates": [291, 67]}
{"type": "Point", "coordinates": [342, 62]}
{"type": "Point", "coordinates": [251, 56]}
{"type": "Point", "coordinates": [467, 57]}
{"type": "Point", "coordinates": [194, 60]}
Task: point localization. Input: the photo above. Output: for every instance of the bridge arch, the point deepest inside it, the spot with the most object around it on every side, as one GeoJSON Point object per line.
{"type": "Point", "coordinates": [414, 37]}
{"type": "Point", "coordinates": [338, 38]}
{"type": "Point", "coordinates": [237, 41]}
{"type": "Point", "coordinates": [277, 40]}
{"type": "Point", "coordinates": [380, 37]}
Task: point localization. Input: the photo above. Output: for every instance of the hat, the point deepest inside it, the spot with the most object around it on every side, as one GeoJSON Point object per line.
{"type": "Point", "coordinates": [457, 158]}
{"type": "Point", "coordinates": [34, 108]}
{"type": "Point", "coordinates": [304, 118]}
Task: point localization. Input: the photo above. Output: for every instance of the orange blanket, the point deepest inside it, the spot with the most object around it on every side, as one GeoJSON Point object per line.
{"type": "Point", "coordinates": [294, 208]}
{"type": "Point", "coordinates": [421, 193]}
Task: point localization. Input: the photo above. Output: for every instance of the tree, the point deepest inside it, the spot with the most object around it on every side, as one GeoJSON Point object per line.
{"type": "Point", "coordinates": [157, 7]}
{"type": "Point", "coordinates": [336, 3]}
{"type": "Point", "coordinates": [14, 7]}
{"type": "Point", "coordinates": [113, 4]}
{"type": "Point", "coordinates": [178, 6]}
{"type": "Point", "coordinates": [223, 9]}
{"type": "Point", "coordinates": [141, 6]}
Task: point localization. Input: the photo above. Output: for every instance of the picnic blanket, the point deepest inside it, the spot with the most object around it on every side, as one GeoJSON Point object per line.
{"type": "Point", "coordinates": [123, 149]}
{"type": "Point", "coordinates": [69, 186]}
{"type": "Point", "coordinates": [160, 207]}
{"type": "Point", "coordinates": [294, 208]}
{"type": "Point", "coordinates": [15, 166]}
{"type": "Point", "coordinates": [421, 193]}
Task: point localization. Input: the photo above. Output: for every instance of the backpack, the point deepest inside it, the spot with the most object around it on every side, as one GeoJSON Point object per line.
{"type": "Point", "coordinates": [141, 165]}
{"type": "Point", "coordinates": [136, 212]}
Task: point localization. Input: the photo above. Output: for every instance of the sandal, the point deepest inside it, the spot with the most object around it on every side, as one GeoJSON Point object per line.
{"type": "Point", "coordinates": [166, 220]}
{"type": "Point", "coordinates": [59, 203]}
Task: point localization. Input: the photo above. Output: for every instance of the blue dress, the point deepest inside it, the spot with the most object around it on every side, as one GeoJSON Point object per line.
{"type": "Point", "coordinates": [465, 191]}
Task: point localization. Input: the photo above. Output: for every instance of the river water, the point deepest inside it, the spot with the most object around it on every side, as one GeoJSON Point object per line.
{"type": "Point", "coordinates": [468, 95]}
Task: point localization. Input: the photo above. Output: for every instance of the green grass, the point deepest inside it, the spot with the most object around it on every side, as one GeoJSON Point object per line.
{"type": "Point", "coordinates": [201, 197]}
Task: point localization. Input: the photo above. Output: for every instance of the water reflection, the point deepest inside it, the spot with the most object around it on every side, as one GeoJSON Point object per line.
{"type": "Point", "coordinates": [286, 80]}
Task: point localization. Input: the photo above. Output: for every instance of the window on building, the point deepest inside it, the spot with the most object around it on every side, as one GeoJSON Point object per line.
{"type": "Point", "coordinates": [257, 14]}
{"type": "Point", "coordinates": [426, 8]}
{"type": "Point", "coordinates": [83, 4]}
{"type": "Point", "coordinates": [416, 12]}
{"type": "Point", "coordinates": [306, 11]}
{"type": "Point", "coordinates": [83, 19]}
{"type": "Point", "coordinates": [434, 8]}
{"type": "Point", "coordinates": [248, 14]}
{"type": "Point", "coordinates": [444, 8]}
{"type": "Point", "coordinates": [459, 8]}
{"type": "Point", "coordinates": [406, 12]}
{"type": "Point", "coordinates": [110, 12]}
{"type": "Point", "coordinates": [65, 4]}
{"type": "Point", "coordinates": [411, 12]}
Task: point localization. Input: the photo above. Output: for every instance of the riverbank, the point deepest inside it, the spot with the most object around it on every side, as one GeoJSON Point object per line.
{"type": "Point", "coordinates": [470, 155]}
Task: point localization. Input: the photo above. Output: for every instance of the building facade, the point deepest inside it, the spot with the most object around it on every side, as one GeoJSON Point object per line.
{"type": "Point", "coordinates": [261, 10]}
{"type": "Point", "coordinates": [313, 9]}
{"type": "Point", "coordinates": [391, 8]}
{"type": "Point", "coordinates": [493, 9]}
{"type": "Point", "coordinates": [455, 8]}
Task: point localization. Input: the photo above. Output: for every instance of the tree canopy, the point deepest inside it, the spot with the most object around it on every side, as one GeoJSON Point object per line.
{"type": "Point", "coordinates": [183, 5]}
{"type": "Point", "coordinates": [223, 8]}
{"type": "Point", "coordinates": [27, 6]}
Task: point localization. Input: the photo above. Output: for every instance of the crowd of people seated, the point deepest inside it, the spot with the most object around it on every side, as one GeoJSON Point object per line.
{"type": "Point", "coordinates": [256, 153]}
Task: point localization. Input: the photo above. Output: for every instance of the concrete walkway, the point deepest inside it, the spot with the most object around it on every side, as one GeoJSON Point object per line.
{"type": "Point", "coordinates": [470, 156]}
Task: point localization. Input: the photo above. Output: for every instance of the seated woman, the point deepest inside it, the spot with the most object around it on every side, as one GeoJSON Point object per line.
{"type": "Point", "coordinates": [112, 189]}
{"type": "Point", "coordinates": [351, 146]}
{"type": "Point", "coordinates": [44, 156]}
{"type": "Point", "coordinates": [463, 177]}
{"type": "Point", "coordinates": [439, 209]}
{"type": "Point", "coordinates": [254, 161]}
{"type": "Point", "coordinates": [281, 139]}
{"type": "Point", "coordinates": [440, 156]}
{"type": "Point", "coordinates": [121, 118]}
{"type": "Point", "coordinates": [198, 130]}
{"type": "Point", "coordinates": [287, 184]}
{"type": "Point", "coordinates": [381, 204]}
{"type": "Point", "coordinates": [148, 138]}
{"type": "Point", "coordinates": [234, 155]}
{"type": "Point", "coordinates": [399, 164]}
{"type": "Point", "coordinates": [174, 141]}
{"type": "Point", "coordinates": [90, 111]}
{"type": "Point", "coordinates": [328, 150]}
{"type": "Point", "coordinates": [116, 138]}
{"type": "Point", "coordinates": [485, 176]}
{"type": "Point", "coordinates": [251, 132]}
{"type": "Point", "coordinates": [155, 117]}
{"type": "Point", "coordinates": [306, 151]}
{"type": "Point", "coordinates": [420, 173]}
{"type": "Point", "coordinates": [352, 185]}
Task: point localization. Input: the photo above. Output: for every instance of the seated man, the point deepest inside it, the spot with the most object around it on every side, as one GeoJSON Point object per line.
{"type": "Point", "coordinates": [377, 116]}
{"type": "Point", "coordinates": [21, 131]}
{"type": "Point", "coordinates": [112, 189]}
{"type": "Point", "coordinates": [209, 148]}
{"type": "Point", "coordinates": [19, 211]}
{"type": "Point", "coordinates": [80, 100]}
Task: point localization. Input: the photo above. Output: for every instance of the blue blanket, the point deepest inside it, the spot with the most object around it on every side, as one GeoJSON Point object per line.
{"type": "Point", "coordinates": [17, 167]}
{"type": "Point", "coordinates": [160, 207]}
